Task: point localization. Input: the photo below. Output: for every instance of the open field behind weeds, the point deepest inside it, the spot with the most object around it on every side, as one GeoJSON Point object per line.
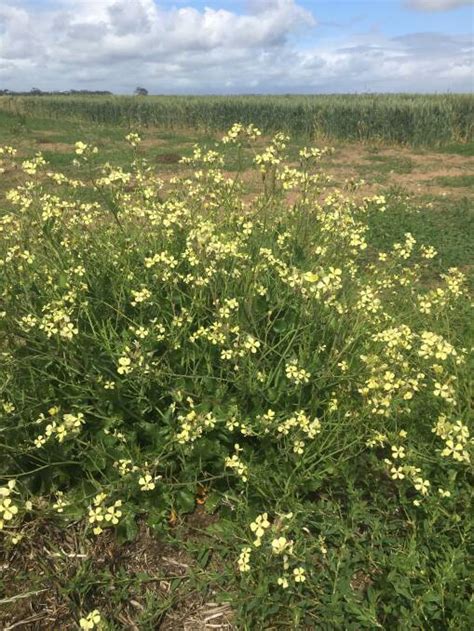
{"type": "Point", "coordinates": [423, 120]}
{"type": "Point", "coordinates": [235, 389]}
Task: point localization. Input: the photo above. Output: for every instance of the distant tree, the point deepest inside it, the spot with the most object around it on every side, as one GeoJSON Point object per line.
{"type": "Point", "coordinates": [35, 91]}
{"type": "Point", "coordinates": [141, 92]}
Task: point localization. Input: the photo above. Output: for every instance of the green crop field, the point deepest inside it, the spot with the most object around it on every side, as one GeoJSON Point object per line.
{"type": "Point", "coordinates": [236, 367]}
{"type": "Point", "coordinates": [400, 118]}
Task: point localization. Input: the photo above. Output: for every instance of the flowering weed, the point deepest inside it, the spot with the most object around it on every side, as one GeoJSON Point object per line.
{"type": "Point", "coordinates": [180, 348]}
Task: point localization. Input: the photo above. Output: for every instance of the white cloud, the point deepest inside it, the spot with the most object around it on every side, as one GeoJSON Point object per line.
{"type": "Point", "coordinates": [438, 5]}
{"type": "Point", "coordinates": [118, 44]}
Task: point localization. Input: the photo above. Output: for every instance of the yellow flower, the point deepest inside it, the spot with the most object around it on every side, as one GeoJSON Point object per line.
{"type": "Point", "coordinates": [91, 621]}
{"type": "Point", "coordinates": [259, 526]}
{"type": "Point", "coordinates": [80, 147]}
{"type": "Point", "coordinates": [60, 502]}
{"type": "Point", "coordinates": [124, 365]}
{"type": "Point", "coordinates": [298, 447]}
{"type": "Point", "coordinates": [422, 485]}
{"type": "Point", "coordinates": [236, 463]}
{"type": "Point", "coordinates": [311, 277]}
{"type": "Point", "coordinates": [295, 374]}
{"type": "Point", "coordinates": [244, 560]}
{"type": "Point", "coordinates": [398, 452]}
{"type": "Point", "coordinates": [299, 575]}
{"type": "Point", "coordinates": [96, 514]}
{"type": "Point", "coordinates": [279, 545]}
{"type": "Point", "coordinates": [441, 390]}
{"type": "Point", "coordinates": [252, 344]}
{"type": "Point", "coordinates": [39, 441]}
{"type": "Point", "coordinates": [133, 138]}
{"type": "Point", "coordinates": [397, 473]}
{"type": "Point", "coordinates": [8, 509]}
{"type": "Point", "coordinates": [112, 514]}
{"type": "Point", "coordinates": [146, 482]}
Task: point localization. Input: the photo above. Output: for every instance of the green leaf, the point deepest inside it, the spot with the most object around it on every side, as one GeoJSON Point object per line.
{"type": "Point", "coordinates": [127, 529]}
{"type": "Point", "coordinates": [185, 501]}
{"type": "Point", "coordinates": [204, 556]}
{"type": "Point", "coordinates": [212, 502]}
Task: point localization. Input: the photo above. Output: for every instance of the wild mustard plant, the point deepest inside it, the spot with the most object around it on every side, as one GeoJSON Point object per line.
{"type": "Point", "coordinates": [157, 337]}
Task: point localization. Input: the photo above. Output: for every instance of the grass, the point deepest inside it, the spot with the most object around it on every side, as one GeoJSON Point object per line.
{"type": "Point", "coordinates": [430, 120]}
{"type": "Point", "coordinates": [463, 181]}
{"type": "Point", "coordinates": [373, 161]}
{"type": "Point", "coordinates": [462, 149]}
{"type": "Point", "coordinates": [447, 225]}
{"type": "Point", "coordinates": [231, 401]}
{"type": "Point", "coordinates": [387, 164]}
{"type": "Point", "coordinates": [380, 166]}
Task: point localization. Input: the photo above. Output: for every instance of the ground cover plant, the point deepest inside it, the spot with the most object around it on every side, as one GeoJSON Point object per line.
{"type": "Point", "coordinates": [265, 383]}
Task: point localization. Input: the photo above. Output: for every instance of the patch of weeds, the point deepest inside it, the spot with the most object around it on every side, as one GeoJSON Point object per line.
{"type": "Point", "coordinates": [390, 164]}
{"type": "Point", "coordinates": [455, 181]}
{"type": "Point", "coordinates": [461, 149]}
{"type": "Point", "coordinates": [446, 224]}
{"type": "Point", "coordinates": [218, 406]}
{"type": "Point", "coordinates": [59, 159]}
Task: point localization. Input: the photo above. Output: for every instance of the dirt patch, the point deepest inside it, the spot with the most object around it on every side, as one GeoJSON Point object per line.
{"type": "Point", "coordinates": [152, 142]}
{"type": "Point", "coordinates": [53, 576]}
{"type": "Point", "coordinates": [168, 158]}
{"type": "Point", "coordinates": [374, 165]}
{"type": "Point", "coordinates": [206, 617]}
{"type": "Point", "coordinates": [45, 140]}
{"type": "Point", "coordinates": [200, 519]}
{"type": "Point", "coordinates": [30, 600]}
{"type": "Point", "coordinates": [60, 147]}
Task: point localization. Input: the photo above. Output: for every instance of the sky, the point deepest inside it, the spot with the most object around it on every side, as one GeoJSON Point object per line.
{"type": "Point", "coordinates": [237, 46]}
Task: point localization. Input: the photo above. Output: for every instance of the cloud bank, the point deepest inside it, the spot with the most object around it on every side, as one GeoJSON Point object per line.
{"type": "Point", "coordinates": [119, 44]}
{"type": "Point", "coordinates": [438, 5]}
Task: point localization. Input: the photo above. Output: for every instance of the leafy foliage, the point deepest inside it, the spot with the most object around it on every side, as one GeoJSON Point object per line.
{"type": "Point", "coordinates": [174, 344]}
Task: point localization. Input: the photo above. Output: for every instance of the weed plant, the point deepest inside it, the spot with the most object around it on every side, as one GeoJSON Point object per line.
{"type": "Point", "coordinates": [174, 345]}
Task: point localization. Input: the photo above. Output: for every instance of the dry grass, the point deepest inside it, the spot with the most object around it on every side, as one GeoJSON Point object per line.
{"type": "Point", "coordinates": [151, 569]}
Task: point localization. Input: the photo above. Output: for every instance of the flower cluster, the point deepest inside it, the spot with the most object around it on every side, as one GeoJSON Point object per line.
{"type": "Point", "coordinates": [61, 427]}
{"type": "Point", "coordinates": [101, 515]}
{"type": "Point", "coordinates": [456, 439]}
{"type": "Point", "coordinates": [133, 139]}
{"type": "Point", "coordinates": [272, 155]}
{"type": "Point", "coordinates": [8, 509]}
{"type": "Point", "coordinates": [193, 424]}
{"type": "Point", "coordinates": [259, 527]}
{"type": "Point", "coordinates": [295, 374]}
{"type": "Point", "coordinates": [84, 150]}
{"type": "Point", "coordinates": [299, 427]}
{"type": "Point", "coordinates": [272, 546]}
{"type": "Point", "coordinates": [238, 132]}
{"type": "Point", "coordinates": [235, 463]}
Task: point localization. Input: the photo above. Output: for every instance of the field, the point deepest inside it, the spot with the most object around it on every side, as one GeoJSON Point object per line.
{"type": "Point", "coordinates": [424, 120]}
{"type": "Point", "coordinates": [236, 367]}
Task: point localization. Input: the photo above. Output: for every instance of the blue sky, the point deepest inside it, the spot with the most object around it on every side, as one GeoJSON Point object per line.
{"type": "Point", "coordinates": [237, 46]}
{"type": "Point", "coordinates": [392, 16]}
